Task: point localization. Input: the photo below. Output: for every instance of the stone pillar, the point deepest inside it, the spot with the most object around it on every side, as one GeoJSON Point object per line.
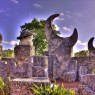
{"type": "Point", "coordinates": [25, 49]}
{"type": "Point", "coordinates": [23, 53]}
{"type": "Point", "coordinates": [53, 71]}
{"type": "Point", "coordinates": [0, 46]}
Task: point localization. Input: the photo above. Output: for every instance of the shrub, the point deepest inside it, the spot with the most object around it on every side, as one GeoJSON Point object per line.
{"type": "Point", "coordinates": [93, 71]}
{"type": "Point", "coordinates": [4, 88]}
{"type": "Point", "coordinates": [2, 84]}
{"type": "Point", "coordinates": [51, 90]}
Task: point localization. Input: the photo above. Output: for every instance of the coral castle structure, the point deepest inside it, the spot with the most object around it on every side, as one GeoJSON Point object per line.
{"type": "Point", "coordinates": [0, 46]}
{"type": "Point", "coordinates": [26, 69]}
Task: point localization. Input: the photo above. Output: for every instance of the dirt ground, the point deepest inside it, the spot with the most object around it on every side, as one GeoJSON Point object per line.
{"type": "Point", "coordinates": [72, 85]}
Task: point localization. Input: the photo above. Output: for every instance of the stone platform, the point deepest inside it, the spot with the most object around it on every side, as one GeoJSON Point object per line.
{"type": "Point", "coordinates": [22, 86]}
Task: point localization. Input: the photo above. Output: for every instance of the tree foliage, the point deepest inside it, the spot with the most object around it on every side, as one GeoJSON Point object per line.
{"type": "Point", "coordinates": [8, 53]}
{"type": "Point", "coordinates": [39, 40]}
{"type": "Point", "coordinates": [82, 53]}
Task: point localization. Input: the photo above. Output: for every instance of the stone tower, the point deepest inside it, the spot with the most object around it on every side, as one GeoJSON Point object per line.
{"type": "Point", "coordinates": [25, 49]}
{"type": "Point", "coordinates": [0, 46]}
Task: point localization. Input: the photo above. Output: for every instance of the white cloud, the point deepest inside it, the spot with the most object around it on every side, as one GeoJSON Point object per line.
{"type": "Point", "coordinates": [58, 18]}
{"type": "Point", "coordinates": [1, 11]}
{"type": "Point", "coordinates": [67, 29]}
{"type": "Point", "coordinates": [79, 46]}
{"type": "Point", "coordinates": [11, 42]}
{"type": "Point", "coordinates": [81, 43]}
{"type": "Point", "coordinates": [15, 1]}
{"type": "Point", "coordinates": [37, 5]}
{"type": "Point", "coordinates": [61, 14]}
{"type": "Point", "coordinates": [57, 28]}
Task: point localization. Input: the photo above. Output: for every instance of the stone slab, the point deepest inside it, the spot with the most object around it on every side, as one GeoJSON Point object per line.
{"type": "Point", "coordinates": [23, 86]}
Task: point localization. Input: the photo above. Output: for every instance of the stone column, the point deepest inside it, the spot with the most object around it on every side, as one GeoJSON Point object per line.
{"type": "Point", "coordinates": [0, 46]}
{"type": "Point", "coordinates": [23, 55]}
{"type": "Point", "coordinates": [25, 49]}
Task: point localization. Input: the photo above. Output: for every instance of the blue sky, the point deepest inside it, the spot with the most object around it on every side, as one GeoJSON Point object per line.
{"type": "Point", "coordinates": [78, 14]}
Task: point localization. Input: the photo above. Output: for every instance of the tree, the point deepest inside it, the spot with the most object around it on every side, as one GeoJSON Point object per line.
{"type": "Point", "coordinates": [82, 53]}
{"type": "Point", "coordinates": [39, 40]}
{"type": "Point", "coordinates": [8, 53]}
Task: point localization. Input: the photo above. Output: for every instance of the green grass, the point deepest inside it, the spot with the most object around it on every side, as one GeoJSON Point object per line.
{"type": "Point", "coordinates": [51, 90]}
{"type": "Point", "coordinates": [4, 88]}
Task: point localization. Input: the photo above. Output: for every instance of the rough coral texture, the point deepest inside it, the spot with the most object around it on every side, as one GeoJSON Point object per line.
{"type": "Point", "coordinates": [85, 65]}
{"type": "Point", "coordinates": [82, 72]}
{"type": "Point", "coordinates": [87, 86]}
{"type": "Point", "coordinates": [70, 75]}
{"type": "Point", "coordinates": [40, 66]}
{"type": "Point", "coordinates": [41, 61]}
{"type": "Point", "coordinates": [53, 67]}
{"type": "Point", "coordinates": [23, 53]}
{"type": "Point", "coordinates": [26, 41]}
{"type": "Point", "coordinates": [88, 62]}
{"type": "Point", "coordinates": [24, 86]}
{"type": "Point", "coordinates": [62, 48]}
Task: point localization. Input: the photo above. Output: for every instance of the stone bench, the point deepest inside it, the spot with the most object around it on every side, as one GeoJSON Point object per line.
{"type": "Point", "coordinates": [22, 86]}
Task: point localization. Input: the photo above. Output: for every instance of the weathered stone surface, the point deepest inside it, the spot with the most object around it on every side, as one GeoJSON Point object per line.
{"type": "Point", "coordinates": [88, 62]}
{"type": "Point", "coordinates": [4, 73]}
{"type": "Point", "coordinates": [85, 90]}
{"type": "Point", "coordinates": [53, 71]}
{"type": "Point", "coordinates": [22, 72]}
{"type": "Point", "coordinates": [41, 61]}
{"type": "Point", "coordinates": [70, 74]}
{"type": "Point", "coordinates": [9, 68]}
{"type": "Point", "coordinates": [38, 71]}
{"type": "Point", "coordinates": [24, 86]}
{"type": "Point", "coordinates": [40, 66]}
{"type": "Point", "coordinates": [6, 69]}
{"type": "Point", "coordinates": [26, 41]}
{"type": "Point", "coordinates": [60, 47]}
{"type": "Point", "coordinates": [82, 72]}
{"type": "Point", "coordinates": [87, 87]}
{"type": "Point", "coordinates": [29, 69]}
{"type": "Point", "coordinates": [23, 53]}
{"type": "Point", "coordinates": [26, 38]}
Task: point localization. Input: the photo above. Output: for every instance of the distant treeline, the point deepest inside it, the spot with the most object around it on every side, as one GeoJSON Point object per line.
{"type": "Point", "coordinates": [8, 53]}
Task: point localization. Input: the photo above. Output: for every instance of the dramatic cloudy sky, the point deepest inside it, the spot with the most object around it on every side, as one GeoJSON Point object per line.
{"type": "Point", "coordinates": [73, 13]}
